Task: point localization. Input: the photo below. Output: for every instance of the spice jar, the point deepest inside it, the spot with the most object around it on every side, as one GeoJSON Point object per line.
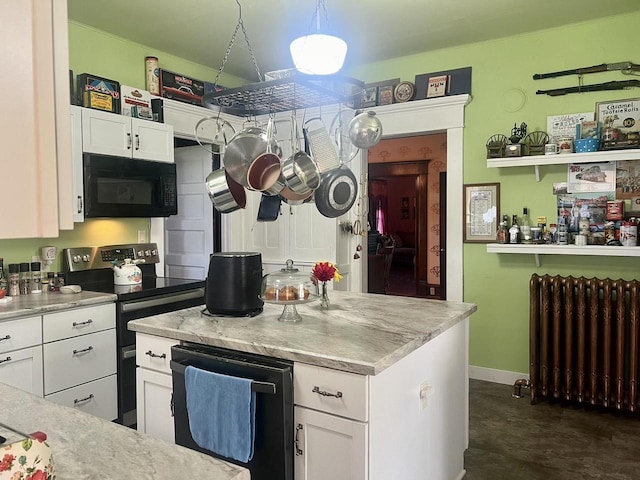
{"type": "Point", "coordinates": [36, 279]}
{"type": "Point", "coordinates": [51, 279]}
{"type": "Point", "coordinates": [14, 279]}
{"type": "Point", "coordinates": [25, 279]}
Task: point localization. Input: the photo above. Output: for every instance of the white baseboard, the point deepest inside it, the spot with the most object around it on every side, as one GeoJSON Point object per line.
{"type": "Point", "coordinates": [497, 376]}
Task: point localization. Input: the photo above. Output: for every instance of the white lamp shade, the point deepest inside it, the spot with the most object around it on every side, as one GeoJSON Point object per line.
{"type": "Point", "coordinates": [318, 54]}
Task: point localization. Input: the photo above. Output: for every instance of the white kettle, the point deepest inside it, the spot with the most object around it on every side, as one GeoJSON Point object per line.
{"type": "Point", "coordinates": [127, 273]}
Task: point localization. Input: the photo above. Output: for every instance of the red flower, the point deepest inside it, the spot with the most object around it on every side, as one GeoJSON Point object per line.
{"type": "Point", "coordinates": [37, 475]}
{"type": "Point", "coordinates": [6, 462]}
{"type": "Point", "coordinates": [325, 271]}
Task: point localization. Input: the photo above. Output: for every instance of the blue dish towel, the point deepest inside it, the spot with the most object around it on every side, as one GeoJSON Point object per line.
{"type": "Point", "coordinates": [222, 412]}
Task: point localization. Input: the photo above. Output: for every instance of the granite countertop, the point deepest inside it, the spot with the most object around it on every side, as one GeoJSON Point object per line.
{"type": "Point", "coordinates": [360, 333]}
{"type": "Point", "coordinates": [37, 304]}
{"type": "Point", "coordinates": [88, 447]}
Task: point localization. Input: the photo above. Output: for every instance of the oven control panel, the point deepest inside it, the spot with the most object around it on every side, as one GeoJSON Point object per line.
{"type": "Point", "coordinates": [91, 258]}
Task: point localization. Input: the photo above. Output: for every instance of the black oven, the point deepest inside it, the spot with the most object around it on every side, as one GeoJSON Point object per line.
{"type": "Point", "coordinates": [127, 187]}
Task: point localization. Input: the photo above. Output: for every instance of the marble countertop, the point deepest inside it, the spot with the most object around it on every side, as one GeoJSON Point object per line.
{"type": "Point", "coordinates": [359, 333]}
{"type": "Point", "coordinates": [88, 447]}
{"type": "Point", "coordinates": [37, 304]}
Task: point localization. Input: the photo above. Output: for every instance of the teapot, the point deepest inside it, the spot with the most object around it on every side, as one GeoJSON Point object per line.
{"type": "Point", "coordinates": [127, 273]}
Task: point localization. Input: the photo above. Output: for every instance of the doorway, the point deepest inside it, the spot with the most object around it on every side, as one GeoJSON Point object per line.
{"type": "Point", "coordinates": [406, 212]}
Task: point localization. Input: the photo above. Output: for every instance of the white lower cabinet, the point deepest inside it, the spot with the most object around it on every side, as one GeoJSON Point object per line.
{"type": "Point", "coordinates": [154, 391]}
{"type": "Point", "coordinates": [328, 446]}
{"type": "Point", "coordinates": [154, 387]}
{"type": "Point", "coordinates": [98, 397]}
{"type": "Point", "coordinates": [23, 369]}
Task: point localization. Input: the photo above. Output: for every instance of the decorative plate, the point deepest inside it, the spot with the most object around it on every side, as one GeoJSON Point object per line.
{"type": "Point", "coordinates": [403, 92]}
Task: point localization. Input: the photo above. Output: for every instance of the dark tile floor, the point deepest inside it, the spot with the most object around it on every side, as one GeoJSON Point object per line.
{"type": "Point", "coordinates": [512, 439]}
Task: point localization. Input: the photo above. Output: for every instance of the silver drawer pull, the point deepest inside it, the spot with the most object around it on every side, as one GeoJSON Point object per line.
{"type": "Point", "coordinates": [8, 359]}
{"type": "Point", "coordinates": [82, 324]}
{"type": "Point", "coordinates": [6, 337]}
{"type": "Point", "coordinates": [155, 355]}
{"type": "Point", "coordinates": [82, 400]}
{"type": "Point", "coordinates": [324, 393]}
{"type": "Point", "coordinates": [84, 350]}
{"type": "Point", "coordinates": [299, 451]}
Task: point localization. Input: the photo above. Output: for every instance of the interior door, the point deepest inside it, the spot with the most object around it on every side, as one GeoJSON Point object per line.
{"type": "Point", "coordinates": [189, 235]}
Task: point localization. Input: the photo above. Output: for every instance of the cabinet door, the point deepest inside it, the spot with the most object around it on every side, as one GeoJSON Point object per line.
{"type": "Point", "coordinates": [152, 140]}
{"type": "Point", "coordinates": [106, 133]}
{"type": "Point", "coordinates": [28, 130]}
{"type": "Point", "coordinates": [329, 447]}
{"type": "Point", "coordinates": [77, 201]}
{"type": "Point", "coordinates": [23, 369]}
{"type": "Point", "coordinates": [153, 394]}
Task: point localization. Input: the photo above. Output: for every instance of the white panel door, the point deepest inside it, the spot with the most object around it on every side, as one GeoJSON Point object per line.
{"type": "Point", "coordinates": [329, 447]}
{"type": "Point", "coordinates": [152, 140]}
{"type": "Point", "coordinates": [312, 235]}
{"type": "Point", "coordinates": [268, 238]}
{"type": "Point", "coordinates": [189, 234]}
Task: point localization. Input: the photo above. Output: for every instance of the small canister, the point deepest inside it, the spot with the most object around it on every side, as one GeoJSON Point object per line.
{"type": "Point", "coordinates": [153, 75]}
{"type": "Point", "coordinates": [610, 232]}
{"type": "Point", "coordinates": [629, 233]}
{"type": "Point", "coordinates": [615, 210]}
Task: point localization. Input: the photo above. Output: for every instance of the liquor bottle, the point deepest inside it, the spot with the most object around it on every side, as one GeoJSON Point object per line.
{"type": "Point", "coordinates": [526, 226]}
{"type": "Point", "coordinates": [3, 279]}
{"type": "Point", "coordinates": [502, 235]}
{"type": "Point", "coordinates": [514, 231]}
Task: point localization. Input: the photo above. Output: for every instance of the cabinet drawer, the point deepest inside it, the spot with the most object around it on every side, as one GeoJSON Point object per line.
{"type": "Point", "coordinates": [79, 360]}
{"type": "Point", "coordinates": [79, 321]}
{"type": "Point", "coordinates": [22, 333]}
{"type": "Point", "coordinates": [98, 398]}
{"type": "Point", "coordinates": [332, 391]}
{"type": "Point", "coordinates": [23, 369]}
{"type": "Point", "coordinates": [154, 352]}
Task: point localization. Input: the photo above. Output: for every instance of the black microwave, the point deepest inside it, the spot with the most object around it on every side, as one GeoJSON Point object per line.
{"type": "Point", "coordinates": [126, 187]}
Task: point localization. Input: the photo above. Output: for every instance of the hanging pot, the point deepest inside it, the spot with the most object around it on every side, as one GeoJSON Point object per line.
{"type": "Point", "coordinates": [225, 193]}
{"type": "Point", "coordinates": [365, 130]}
{"type": "Point", "coordinates": [299, 170]}
{"type": "Point", "coordinates": [337, 192]}
{"type": "Point", "coordinates": [249, 162]}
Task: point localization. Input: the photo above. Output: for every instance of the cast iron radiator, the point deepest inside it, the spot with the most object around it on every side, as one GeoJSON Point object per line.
{"type": "Point", "coordinates": [584, 339]}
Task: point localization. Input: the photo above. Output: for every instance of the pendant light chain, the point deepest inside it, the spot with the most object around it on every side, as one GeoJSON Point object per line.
{"type": "Point", "coordinates": [239, 25]}
{"type": "Point", "coordinates": [315, 19]}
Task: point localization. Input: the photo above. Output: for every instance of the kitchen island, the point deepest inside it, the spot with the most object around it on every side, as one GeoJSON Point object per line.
{"type": "Point", "coordinates": [399, 365]}
{"type": "Point", "coordinates": [88, 447]}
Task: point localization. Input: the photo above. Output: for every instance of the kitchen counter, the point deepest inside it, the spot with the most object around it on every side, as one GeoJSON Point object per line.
{"type": "Point", "coordinates": [359, 333]}
{"type": "Point", "coordinates": [87, 447]}
{"type": "Point", "coordinates": [36, 304]}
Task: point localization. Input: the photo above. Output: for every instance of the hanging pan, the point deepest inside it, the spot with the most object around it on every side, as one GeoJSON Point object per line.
{"type": "Point", "coordinates": [225, 193]}
{"type": "Point", "coordinates": [299, 170]}
{"type": "Point", "coordinates": [337, 192]}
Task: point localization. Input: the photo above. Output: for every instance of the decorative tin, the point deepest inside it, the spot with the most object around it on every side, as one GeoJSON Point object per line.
{"type": "Point", "coordinates": [615, 210]}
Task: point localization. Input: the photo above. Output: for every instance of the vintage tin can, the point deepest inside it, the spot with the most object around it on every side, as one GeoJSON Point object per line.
{"type": "Point", "coordinates": [153, 75]}
{"type": "Point", "coordinates": [610, 232]}
{"type": "Point", "coordinates": [615, 210]}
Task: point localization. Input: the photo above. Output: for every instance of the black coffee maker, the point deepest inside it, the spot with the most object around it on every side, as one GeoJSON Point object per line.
{"type": "Point", "coordinates": [233, 284]}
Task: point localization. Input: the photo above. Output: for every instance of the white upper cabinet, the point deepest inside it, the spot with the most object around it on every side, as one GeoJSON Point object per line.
{"type": "Point", "coordinates": [112, 134]}
{"type": "Point", "coordinates": [34, 74]}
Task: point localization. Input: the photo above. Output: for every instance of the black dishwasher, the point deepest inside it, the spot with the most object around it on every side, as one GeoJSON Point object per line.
{"type": "Point", "coordinates": [273, 383]}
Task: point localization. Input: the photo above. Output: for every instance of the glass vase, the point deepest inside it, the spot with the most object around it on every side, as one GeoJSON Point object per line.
{"type": "Point", "coordinates": [324, 298]}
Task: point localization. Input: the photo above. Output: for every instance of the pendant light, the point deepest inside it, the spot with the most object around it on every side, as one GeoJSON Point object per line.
{"type": "Point", "coordinates": [318, 53]}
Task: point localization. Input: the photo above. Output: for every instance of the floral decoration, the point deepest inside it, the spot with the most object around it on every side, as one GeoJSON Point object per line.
{"type": "Point", "coordinates": [28, 459]}
{"type": "Point", "coordinates": [326, 271]}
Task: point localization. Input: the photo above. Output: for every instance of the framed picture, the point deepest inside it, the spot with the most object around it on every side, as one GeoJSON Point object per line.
{"type": "Point", "coordinates": [378, 93]}
{"type": "Point", "coordinates": [481, 213]}
{"type": "Point", "coordinates": [385, 95]}
{"type": "Point", "coordinates": [369, 97]}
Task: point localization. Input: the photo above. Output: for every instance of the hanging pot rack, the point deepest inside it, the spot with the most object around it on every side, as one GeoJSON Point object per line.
{"type": "Point", "coordinates": [298, 91]}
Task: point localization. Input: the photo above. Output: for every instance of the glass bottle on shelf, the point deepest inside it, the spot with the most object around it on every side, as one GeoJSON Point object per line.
{"type": "Point", "coordinates": [527, 236]}
{"type": "Point", "coordinates": [502, 235]}
{"type": "Point", "coordinates": [25, 279]}
{"type": "Point", "coordinates": [4, 284]}
{"type": "Point", "coordinates": [14, 279]}
{"type": "Point", "coordinates": [514, 231]}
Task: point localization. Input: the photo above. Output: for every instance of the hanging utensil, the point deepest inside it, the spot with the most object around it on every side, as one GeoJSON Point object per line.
{"type": "Point", "coordinates": [339, 131]}
{"type": "Point", "coordinates": [220, 137]}
{"type": "Point", "coordinates": [225, 193]}
{"type": "Point", "coordinates": [322, 149]}
{"type": "Point", "coordinates": [365, 130]}
{"type": "Point", "coordinates": [264, 170]}
{"type": "Point", "coordinates": [300, 171]}
{"type": "Point", "coordinates": [337, 192]}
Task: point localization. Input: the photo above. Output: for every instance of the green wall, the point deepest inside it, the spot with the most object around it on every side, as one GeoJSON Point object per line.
{"type": "Point", "coordinates": [503, 94]}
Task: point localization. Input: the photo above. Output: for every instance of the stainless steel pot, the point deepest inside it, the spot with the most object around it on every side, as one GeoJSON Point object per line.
{"type": "Point", "coordinates": [300, 171]}
{"type": "Point", "coordinates": [225, 193]}
{"type": "Point", "coordinates": [365, 130]}
{"type": "Point", "coordinates": [248, 160]}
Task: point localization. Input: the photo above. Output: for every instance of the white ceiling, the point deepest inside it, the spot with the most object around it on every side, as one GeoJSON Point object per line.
{"type": "Point", "coordinates": [200, 30]}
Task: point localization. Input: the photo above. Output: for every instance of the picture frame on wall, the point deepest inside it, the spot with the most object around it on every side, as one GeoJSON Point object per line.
{"type": "Point", "coordinates": [481, 212]}
{"type": "Point", "coordinates": [378, 93]}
